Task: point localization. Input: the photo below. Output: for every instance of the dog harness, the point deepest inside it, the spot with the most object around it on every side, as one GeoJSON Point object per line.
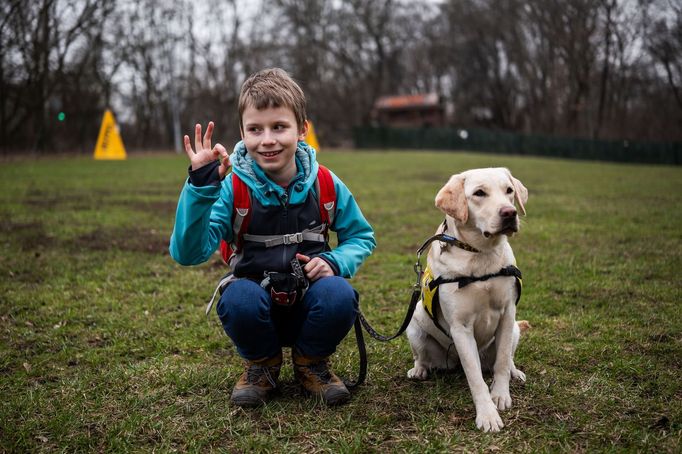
{"type": "Point", "coordinates": [431, 284]}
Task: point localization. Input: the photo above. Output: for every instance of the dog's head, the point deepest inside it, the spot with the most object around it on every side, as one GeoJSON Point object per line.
{"type": "Point", "coordinates": [484, 199]}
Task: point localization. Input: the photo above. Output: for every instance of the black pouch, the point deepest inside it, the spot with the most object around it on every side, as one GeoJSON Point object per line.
{"type": "Point", "coordinates": [286, 288]}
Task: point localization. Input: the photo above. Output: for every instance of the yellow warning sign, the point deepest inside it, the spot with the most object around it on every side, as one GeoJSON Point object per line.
{"type": "Point", "coordinates": [311, 138]}
{"type": "Point", "coordinates": [109, 143]}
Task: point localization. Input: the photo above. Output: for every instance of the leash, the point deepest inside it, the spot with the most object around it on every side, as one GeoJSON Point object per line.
{"type": "Point", "coordinates": [362, 349]}
{"type": "Point", "coordinates": [416, 288]}
{"type": "Point", "coordinates": [361, 321]}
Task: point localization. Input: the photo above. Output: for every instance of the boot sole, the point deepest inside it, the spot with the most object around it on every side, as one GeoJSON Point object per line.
{"type": "Point", "coordinates": [247, 402]}
{"type": "Point", "coordinates": [337, 398]}
{"type": "Point", "coordinates": [251, 399]}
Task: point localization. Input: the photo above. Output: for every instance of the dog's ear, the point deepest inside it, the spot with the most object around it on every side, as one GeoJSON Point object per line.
{"type": "Point", "coordinates": [520, 193]}
{"type": "Point", "coordinates": [451, 199]}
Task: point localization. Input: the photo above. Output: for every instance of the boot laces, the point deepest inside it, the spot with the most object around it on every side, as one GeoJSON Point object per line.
{"type": "Point", "coordinates": [321, 370]}
{"type": "Point", "coordinates": [255, 373]}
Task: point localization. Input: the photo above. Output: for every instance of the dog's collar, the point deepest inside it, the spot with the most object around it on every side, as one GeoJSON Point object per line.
{"type": "Point", "coordinates": [452, 241]}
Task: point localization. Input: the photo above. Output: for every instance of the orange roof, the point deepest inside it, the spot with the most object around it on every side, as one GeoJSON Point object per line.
{"type": "Point", "coordinates": [407, 101]}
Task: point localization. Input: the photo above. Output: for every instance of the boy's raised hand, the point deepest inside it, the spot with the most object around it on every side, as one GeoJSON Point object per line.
{"type": "Point", "coordinates": [204, 154]}
{"type": "Point", "coordinates": [315, 268]}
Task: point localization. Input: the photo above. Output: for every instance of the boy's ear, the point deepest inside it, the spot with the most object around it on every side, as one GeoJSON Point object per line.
{"type": "Point", "coordinates": [303, 131]}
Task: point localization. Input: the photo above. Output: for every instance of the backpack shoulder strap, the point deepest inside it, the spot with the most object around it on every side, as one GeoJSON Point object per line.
{"type": "Point", "coordinates": [326, 194]}
{"type": "Point", "coordinates": [241, 211]}
{"type": "Point", "coordinates": [240, 218]}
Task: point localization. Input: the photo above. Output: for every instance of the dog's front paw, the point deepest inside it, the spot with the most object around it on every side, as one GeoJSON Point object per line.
{"type": "Point", "coordinates": [418, 373]}
{"type": "Point", "coordinates": [488, 419]}
{"type": "Point", "coordinates": [518, 375]}
{"type": "Point", "coordinates": [502, 401]}
{"type": "Point", "coordinates": [499, 393]}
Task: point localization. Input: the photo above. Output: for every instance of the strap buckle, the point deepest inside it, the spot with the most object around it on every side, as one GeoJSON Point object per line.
{"type": "Point", "coordinates": [293, 238]}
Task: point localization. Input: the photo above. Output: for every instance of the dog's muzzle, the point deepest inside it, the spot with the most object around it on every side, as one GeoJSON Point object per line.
{"type": "Point", "coordinates": [509, 222]}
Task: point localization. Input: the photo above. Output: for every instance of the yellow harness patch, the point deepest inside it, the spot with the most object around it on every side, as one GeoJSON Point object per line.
{"type": "Point", "coordinates": [427, 293]}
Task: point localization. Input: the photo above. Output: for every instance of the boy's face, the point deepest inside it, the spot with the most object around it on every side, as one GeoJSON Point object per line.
{"type": "Point", "coordinates": [271, 136]}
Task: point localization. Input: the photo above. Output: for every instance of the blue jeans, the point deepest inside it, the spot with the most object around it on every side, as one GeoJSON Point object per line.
{"type": "Point", "coordinates": [314, 326]}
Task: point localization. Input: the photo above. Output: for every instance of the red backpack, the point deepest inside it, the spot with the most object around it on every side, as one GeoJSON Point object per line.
{"type": "Point", "coordinates": [241, 212]}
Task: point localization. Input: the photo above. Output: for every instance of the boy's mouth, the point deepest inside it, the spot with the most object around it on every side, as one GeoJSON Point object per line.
{"type": "Point", "coordinates": [269, 154]}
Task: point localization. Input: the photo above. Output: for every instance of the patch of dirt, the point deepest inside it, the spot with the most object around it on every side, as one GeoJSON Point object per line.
{"type": "Point", "coordinates": [49, 201]}
{"type": "Point", "coordinates": [28, 235]}
{"type": "Point", "coordinates": [133, 240]}
{"type": "Point", "coordinates": [7, 226]}
{"type": "Point", "coordinates": [97, 200]}
{"type": "Point", "coordinates": [31, 236]}
{"type": "Point", "coordinates": [161, 206]}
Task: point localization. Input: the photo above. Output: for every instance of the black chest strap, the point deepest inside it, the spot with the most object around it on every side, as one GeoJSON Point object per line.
{"type": "Point", "coordinates": [462, 282]}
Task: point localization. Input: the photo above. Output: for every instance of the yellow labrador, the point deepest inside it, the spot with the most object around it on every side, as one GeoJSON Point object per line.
{"type": "Point", "coordinates": [474, 324]}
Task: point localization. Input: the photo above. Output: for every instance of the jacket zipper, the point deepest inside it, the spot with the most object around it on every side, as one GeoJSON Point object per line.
{"type": "Point", "coordinates": [285, 220]}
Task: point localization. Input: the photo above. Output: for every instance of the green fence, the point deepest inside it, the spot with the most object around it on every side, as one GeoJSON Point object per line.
{"type": "Point", "coordinates": [511, 143]}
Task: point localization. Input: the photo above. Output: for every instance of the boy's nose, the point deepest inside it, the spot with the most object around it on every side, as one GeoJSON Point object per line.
{"type": "Point", "coordinates": [268, 138]}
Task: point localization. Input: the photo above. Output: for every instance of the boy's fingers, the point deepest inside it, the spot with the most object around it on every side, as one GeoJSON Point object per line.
{"type": "Point", "coordinates": [224, 158]}
{"type": "Point", "coordinates": [220, 150]}
{"type": "Point", "coordinates": [303, 258]}
{"type": "Point", "coordinates": [197, 137]}
{"type": "Point", "coordinates": [188, 147]}
{"type": "Point", "coordinates": [313, 274]}
{"type": "Point", "coordinates": [223, 155]}
{"type": "Point", "coordinates": [311, 269]}
{"type": "Point", "coordinates": [207, 136]}
{"type": "Point", "coordinates": [316, 268]}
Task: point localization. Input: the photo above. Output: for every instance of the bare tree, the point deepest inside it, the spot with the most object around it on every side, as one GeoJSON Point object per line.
{"type": "Point", "coordinates": [589, 68]}
{"type": "Point", "coordinates": [47, 38]}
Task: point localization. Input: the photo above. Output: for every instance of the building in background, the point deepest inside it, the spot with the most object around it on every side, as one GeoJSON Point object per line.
{"type": "Point", "coordinates": [410, 111]}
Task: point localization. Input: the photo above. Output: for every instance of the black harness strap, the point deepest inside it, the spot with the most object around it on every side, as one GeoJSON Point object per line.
{"type": "Point", "coordinates": [462, 282]}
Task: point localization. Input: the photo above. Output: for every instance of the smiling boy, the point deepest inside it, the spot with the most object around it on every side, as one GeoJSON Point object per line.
{"type": "Point", "coordinates": [280, 171]}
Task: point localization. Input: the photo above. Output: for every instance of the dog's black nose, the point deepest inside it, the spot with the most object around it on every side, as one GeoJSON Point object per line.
{"type": "Point", "coordinates": [507, 212]}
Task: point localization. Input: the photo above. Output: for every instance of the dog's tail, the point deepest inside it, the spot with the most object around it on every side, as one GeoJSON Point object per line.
{"type": "Point", "coordinates": [523, 325]}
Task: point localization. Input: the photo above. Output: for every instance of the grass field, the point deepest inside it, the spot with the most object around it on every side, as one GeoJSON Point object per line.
{"type": "Point", "coordinates": [104, 345]}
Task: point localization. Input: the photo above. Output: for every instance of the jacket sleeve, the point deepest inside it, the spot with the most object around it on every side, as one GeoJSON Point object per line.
{"type": "Point", "coordinates": [355, 236]}
{"type": "Point", "coordinates": [202, 220]}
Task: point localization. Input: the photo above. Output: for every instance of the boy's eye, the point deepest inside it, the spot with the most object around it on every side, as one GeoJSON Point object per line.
{"type": "Point", "coordinates": [279, 127]}
{"type": "Point", "coordinates": [480, 193]}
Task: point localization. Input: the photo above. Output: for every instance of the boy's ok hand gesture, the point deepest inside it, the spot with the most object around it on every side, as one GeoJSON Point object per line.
{"type": "Point", "coordinates": [204, 154]}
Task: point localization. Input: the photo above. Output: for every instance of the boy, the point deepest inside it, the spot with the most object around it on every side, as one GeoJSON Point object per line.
{"type": "Point", "coordinates": [280, 171]}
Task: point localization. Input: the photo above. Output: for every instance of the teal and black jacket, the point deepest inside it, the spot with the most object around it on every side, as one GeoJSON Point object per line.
{"type": "Point", "coordinates": [204, 213]}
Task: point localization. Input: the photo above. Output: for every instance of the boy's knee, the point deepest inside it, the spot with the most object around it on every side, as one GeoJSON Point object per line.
{"type": "Point", "coordinates": [334, 286]}
{"type": "Point", "coordinates": [241, 301]}
{"type": "Point", "coordinates": [334, 294]}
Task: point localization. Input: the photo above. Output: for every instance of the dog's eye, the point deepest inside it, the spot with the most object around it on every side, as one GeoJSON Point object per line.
{"type": "Point", "coordinates": [509, 190]}
{"type": "Point", "coordinates": [480, 193]}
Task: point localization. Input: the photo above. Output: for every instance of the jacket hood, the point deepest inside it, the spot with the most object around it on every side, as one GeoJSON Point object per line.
{"type": "Point", "coordinates": [266, 190]}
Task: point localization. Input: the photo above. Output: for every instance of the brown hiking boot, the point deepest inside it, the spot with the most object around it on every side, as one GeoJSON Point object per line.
{"type": "Point", "coordinates": [257, 382]}
{"type": "Point", "coordinates": [316, 377]}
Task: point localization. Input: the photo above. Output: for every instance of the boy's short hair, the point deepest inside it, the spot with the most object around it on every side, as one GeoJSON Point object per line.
{"type": "Point", "coordinates": [272, 87]}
